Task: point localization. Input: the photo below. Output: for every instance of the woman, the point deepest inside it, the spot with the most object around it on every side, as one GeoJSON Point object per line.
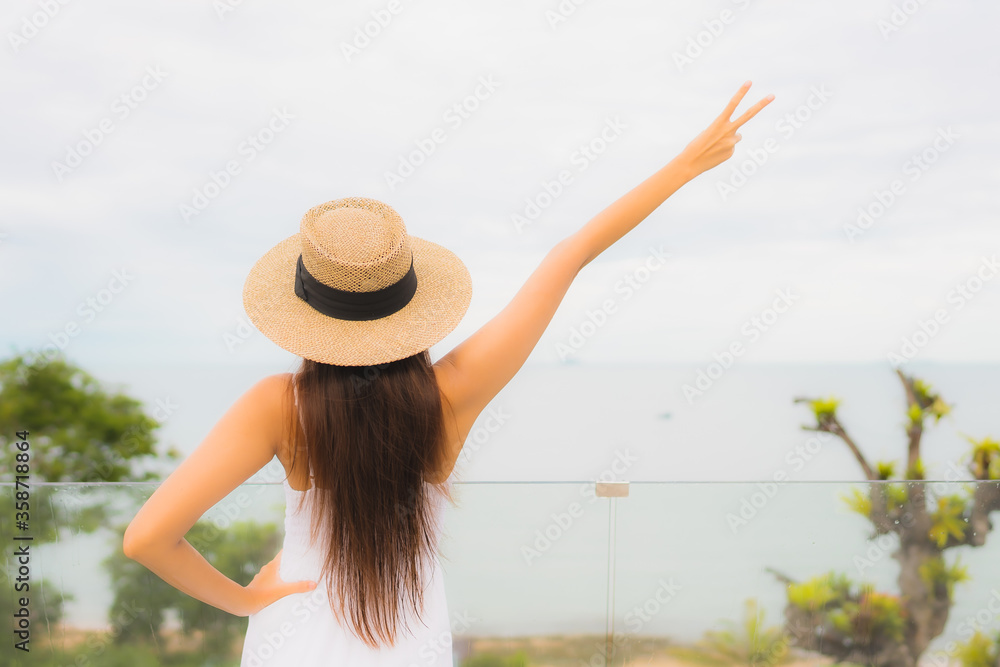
{"type": "Point", "coordinates": [368, 430]}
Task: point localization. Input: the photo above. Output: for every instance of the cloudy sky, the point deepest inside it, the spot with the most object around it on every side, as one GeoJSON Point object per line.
{"type": "Point", "coordinates": [122, 120]}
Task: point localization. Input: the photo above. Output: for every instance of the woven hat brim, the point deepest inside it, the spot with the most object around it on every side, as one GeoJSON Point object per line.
{"type": "Point", "coordinates": [444, 290]}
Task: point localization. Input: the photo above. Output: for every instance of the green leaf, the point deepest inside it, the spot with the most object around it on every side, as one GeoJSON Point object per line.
{"type": "Point", "coordinates": [824, 408]}
{"type": "Point", "coordinates": [948, 520]}
{"type": "Point", "coordinates": [858, 502]}
{"type": "Point", "coordinates": [935, 572]}
{"type": "Point", "coordinates": [886, 469]}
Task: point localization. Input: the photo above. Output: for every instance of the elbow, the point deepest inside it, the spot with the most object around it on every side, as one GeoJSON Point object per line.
{"type": "Point", "coordinates": [572, 251]}
{"type": "Point", "coordinates": [133, 544]}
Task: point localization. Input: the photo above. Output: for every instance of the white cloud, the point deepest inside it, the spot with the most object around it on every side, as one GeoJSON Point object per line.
{"type": "Point", "coordinates": [353, 120]}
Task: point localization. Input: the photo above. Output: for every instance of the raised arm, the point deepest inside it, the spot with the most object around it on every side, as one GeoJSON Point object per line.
{"type": "Point", "coordinates": [477, 369]}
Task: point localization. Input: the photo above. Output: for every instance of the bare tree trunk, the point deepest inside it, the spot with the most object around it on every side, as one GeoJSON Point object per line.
{"type": "Point", "coordinates": [928, 608]}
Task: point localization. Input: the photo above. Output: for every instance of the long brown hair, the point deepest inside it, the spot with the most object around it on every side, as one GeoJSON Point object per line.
{"type": "Point", "coordinates": [374, 441]}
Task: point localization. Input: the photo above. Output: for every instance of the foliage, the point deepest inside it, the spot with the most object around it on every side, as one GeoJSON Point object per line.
{"type": "Point", "coordinates": [79, 431]}
{"type": "Point", "coordinates": [948, 520]}
{"type": "Point", "coordinates": [873, 627]}
{"type": "Point", "coordinates": [820, 592]}
{"type": "Point", "coordinates": [142, 599]}
{"type": "Point", "coordinates": [752, 644]}
{"type": "Point", "coordinates": [45, 606]}
{"type": "Point", "coordinates": [876, 614]}
{"type": "Point", "coordinates": [985, 458]}
{"type": "Point", "coordinates": [824, 408]}
{"type": "Point", "coordinates": [980, 651]}
{"type": "Point", "coordinates": [861, 613]}
{"type": "Point", "coordinates": [886, 469]}
{"type": "Point", "coordinates": [935, 573]}
{"type": "Point", "coordinates": [98, 650]}
{"type": "Point", "coordinates": [917, 470]}
{"type": "Point", "coordinates": [896, 495]}
{"type": "Point", "coordinates": [519, 659]}
{"type": "Point", "coordinates": [930, 402]}
{"type": "Point", "coordinates": [858, 502]}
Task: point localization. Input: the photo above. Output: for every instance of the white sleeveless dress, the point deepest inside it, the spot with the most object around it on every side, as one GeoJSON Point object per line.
{"type": "Point", "coordinates": [301, 630]}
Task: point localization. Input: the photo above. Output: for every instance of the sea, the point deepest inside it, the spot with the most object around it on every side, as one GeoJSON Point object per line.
{"type": "Point", "coordinates": [729, 495]}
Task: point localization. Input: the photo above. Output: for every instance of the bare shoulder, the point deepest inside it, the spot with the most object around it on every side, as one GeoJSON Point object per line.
{"type": "Point", "coordinates": [274, 389]}
{"type": "Point", "coordinates": [271, 397]}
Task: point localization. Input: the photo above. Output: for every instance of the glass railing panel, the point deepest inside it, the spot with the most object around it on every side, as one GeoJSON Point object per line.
{"type": "Point", "coordinates": [735, 574]}
{"type": "Point", "coordinates": [89, 605]}
{"type": "Point", "coordinates": [526, 575]}
{"type": "Point", "coordinates": [526, 569]}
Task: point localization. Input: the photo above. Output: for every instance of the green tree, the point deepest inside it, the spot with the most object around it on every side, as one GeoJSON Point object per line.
{"type": "Point", "coordinates": [873, 628]}
{"type": "Point", "coordinates": [77, 431]}
{"type": "Point", "coordinates": [142, 598]}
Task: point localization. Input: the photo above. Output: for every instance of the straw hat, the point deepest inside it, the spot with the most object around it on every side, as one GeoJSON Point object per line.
{"type": "Point", "coordinates": [352, 288]}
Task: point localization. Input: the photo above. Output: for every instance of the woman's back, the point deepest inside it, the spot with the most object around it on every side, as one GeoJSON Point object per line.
{"type": "Point", "coordinates": [302, 629]}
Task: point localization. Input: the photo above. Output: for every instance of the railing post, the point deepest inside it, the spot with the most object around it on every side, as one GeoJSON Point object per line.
{"type": "Point", "coordinates": [614, 491]}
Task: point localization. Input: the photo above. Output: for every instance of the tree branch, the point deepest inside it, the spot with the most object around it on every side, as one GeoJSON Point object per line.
{"type": "Point", "coordinates": [915, 429]}
{"type": "Point", "coordinates": [783, 578]}
{"type": "Point", "coordinates": [985, 499]}
{"type": "Point", "coordinates": [830, 424]}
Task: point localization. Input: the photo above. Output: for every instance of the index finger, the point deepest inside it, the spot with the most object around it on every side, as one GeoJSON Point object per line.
{"type": "Point", "coordinates": [735, 101]}
{"type": "Point", "coordinates": [752, 111]}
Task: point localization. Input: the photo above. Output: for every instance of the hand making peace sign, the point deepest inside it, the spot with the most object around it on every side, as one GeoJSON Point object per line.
{"type": "Point", "coordinates": [718, 142]}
